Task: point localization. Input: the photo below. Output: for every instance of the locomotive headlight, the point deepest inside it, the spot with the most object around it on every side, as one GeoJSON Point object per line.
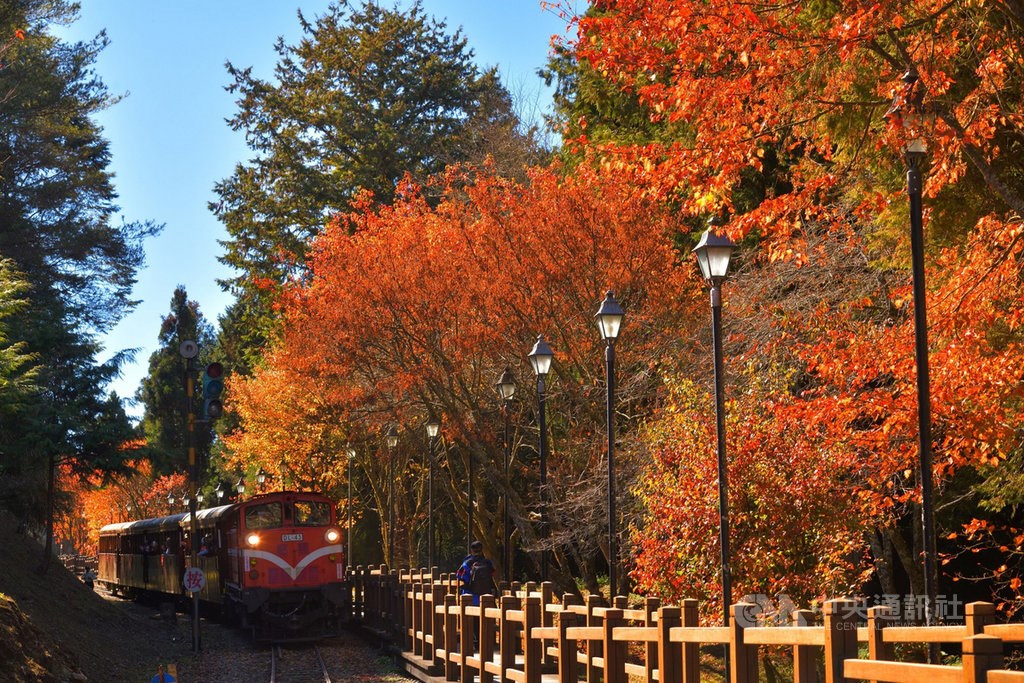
{"type": "Point", "coordinates": [332, 535]}
{"type": "Point", "coordinates": [253, 540]}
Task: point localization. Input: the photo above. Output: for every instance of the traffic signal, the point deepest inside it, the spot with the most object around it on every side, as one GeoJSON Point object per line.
{"type": "Point", "coordinates": [213, 386]}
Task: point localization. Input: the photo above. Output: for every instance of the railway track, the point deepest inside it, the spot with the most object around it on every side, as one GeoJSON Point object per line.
{"type": "Point", "coordinates": [298, 665]}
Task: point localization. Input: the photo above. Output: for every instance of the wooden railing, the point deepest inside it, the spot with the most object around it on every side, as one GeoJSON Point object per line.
{"type": "Point", "coordinates": [527, 635]}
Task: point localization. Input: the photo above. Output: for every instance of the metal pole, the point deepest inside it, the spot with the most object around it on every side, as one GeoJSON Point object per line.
{"type": "Point", "coordinates": [391, 510]}
{"type": "Point", "coordinates": [924, 413]}
{"type": "Point", "coordinates": [348, 511]}
{"type": "Point", "coordinates": [609, 356]}
{"type": "Point", "coordinates": [542, 423]}
{"type": "Point", "coordinates": [505, 513]}
{"type": "Point", "coordinates": [430, 503]}
{"type": "Point", "coordinates": [723, 473]}
{"type": "Point", "coordinates": [469, 510]}
{"type": "Point", "coordinates": [193, 471]}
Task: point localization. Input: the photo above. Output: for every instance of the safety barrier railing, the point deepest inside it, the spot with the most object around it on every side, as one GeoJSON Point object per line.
{"type": "Point", "coordinates": [528, 635]}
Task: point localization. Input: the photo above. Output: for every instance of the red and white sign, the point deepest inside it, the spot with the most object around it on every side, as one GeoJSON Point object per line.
{"type": "Point", "coordinates": [194, 580]}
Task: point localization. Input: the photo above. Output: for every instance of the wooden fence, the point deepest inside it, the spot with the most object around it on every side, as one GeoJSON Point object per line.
{"type": "Point", "coordinates": [528, 635]}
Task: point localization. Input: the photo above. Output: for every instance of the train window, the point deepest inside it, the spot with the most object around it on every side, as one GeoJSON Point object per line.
{"type": "Point", "coordinates": [312, 513]}
{"type": "Point", "coordinates": [263, 516]}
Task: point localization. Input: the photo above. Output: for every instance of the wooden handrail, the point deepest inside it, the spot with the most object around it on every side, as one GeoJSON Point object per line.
{"type": "Point", "coordinates": [529, 635]}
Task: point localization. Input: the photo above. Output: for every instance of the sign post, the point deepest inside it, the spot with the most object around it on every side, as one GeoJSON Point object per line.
{"type": "Point", "coordinates": [189, 350]}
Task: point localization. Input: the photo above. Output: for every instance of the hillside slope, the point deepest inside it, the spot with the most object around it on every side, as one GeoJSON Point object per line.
{"type": "Point", "coordinates": [54, 628]}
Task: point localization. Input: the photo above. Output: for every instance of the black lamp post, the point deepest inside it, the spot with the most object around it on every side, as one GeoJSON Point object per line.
{"type": "Point", "coordinates": [609, 320]}
{"type": "Point", "coordinates": [540, 358]}
{"type": "Point", "coordinates": [915, 154]}
{"type": "Point", "coordinates": [350, 451]}
{"type": "Point", "coordinates": [392, 441]}
{"type": "Point", "coordinates": [506, 388]}
{"type": "Point", "coordinates": [713, 253]}
{"type": "Point", "coordinates": [433, 428]}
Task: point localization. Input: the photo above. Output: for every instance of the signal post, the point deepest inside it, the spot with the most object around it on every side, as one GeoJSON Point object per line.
{"type": "Point", "coordinates": [213, 386]}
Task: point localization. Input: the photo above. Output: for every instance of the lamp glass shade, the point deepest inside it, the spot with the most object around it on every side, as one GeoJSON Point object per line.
{"type": "Point", "coordinates": [240, 485]}
{"type": "Point", "coordinates": [609, 317]}
{"type": "Point", "coordinates": [219, 491]}
{"type": "Point", "coordinates": [170, 499]}
{"type": "Point", "coordinates": [350, 452]}
{"type": "Point", "coordinates": [917, 146]}
{"type": "Point", "coordinates": [713, 252]}
{"type": "Point", "coordinates": [433, 427]}
{"type": "Point", "coordinates": [261, 476]}
{"type": "Point", "coordinates": [540, 357]}
{"type": "Point", "coordinates": [506, 385]}
{"type": "Point", "coordinates": [392, 437]}
{"type": "Point", "coordinates": [200, 497]}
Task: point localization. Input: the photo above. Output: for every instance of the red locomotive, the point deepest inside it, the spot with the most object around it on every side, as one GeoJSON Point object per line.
{"type": "Point", "coordinates": [274, 564]}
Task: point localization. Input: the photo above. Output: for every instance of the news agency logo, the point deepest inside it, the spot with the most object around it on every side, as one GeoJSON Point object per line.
{"type": "Point", "coordinates": [902, 610]}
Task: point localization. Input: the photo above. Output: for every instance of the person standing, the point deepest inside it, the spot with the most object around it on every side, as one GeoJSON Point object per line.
{"type": "Point", "coordinates": [476, 574]}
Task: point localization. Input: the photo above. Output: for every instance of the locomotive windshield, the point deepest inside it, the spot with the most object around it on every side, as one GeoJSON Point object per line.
{"type": "Point", "coordinates": [263, 516]}
{"type": "Point", "coordinates": [298, 513]}
{"type": "Point", "coordinates": [312, 513]}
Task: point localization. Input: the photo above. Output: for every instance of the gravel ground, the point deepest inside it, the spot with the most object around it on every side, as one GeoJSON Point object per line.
{"type": "Point", "coordinates": [228, 656]}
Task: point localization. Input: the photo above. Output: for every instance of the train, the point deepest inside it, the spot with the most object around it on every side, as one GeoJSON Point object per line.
{"type": "Point", "coordinates": [273, 564]}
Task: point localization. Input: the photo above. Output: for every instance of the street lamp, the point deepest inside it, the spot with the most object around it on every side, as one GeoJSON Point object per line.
{"type": "Point", "coordinates": [240, 486]}
{"type": "Point", "coordinates": [170, 499]}
{"type": "Point", "coordinates": [609, 319]}
{"type": "Point", "coordinates": [350, 451]}
{"type": "Point", "coordinates": [392, 441]}
{"type": "Point", "coordinates": [713, 252]}
{"type": "Point", "coordinates": [540, 358]}
{"type": "Point", "coordinates": [433, 428]}
{"type": "Point", "coordinates": [915, 152]}
{"type": "Point", "coordinates": [261, 477]}
{"type": "Point", "coordinates": [219, 491]}
{"type": "Point", "coordinates": [199, 497]}
{"type": "Point", "coordinates": [506, 388]}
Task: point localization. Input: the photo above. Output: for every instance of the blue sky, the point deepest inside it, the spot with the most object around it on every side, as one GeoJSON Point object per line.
{"type": "Point", "coordinates": [170, 142]}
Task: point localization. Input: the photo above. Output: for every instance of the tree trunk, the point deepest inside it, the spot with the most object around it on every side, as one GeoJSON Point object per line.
{"type": "Point", "coordinates": [51, 486]}
{"type": "Point", "coordinates": [882, 551]}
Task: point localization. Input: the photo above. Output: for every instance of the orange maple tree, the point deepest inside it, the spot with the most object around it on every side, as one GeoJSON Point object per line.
{"type": "Point", "coordinates": [414, 308]}
{"type": "Point", "coordinates": [792, 119]}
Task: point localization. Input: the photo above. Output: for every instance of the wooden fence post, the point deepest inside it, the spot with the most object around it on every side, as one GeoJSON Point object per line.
{"type": "Point", "coordinates": [978, 616]}
{"type": "Point", "coordinates": [878, 649]}
{"type": "Point", "coordinates": [532, 658]}
{"type": "Point", "coordinates": [568, 667]}
{"type": "Point", "coordinates": [670, 655]}
{"type": "Point", "coordinates": [487, 631]}
{"type": "Point", "coordinates": [804, 669]}
{"type": "Point", "coordinates": [840, 637]}
{"type": "Point", "coordinates": [467, 631]}
{"type": "Point", "coordinates": [594, 646]}
{"type": "Point", "coordinates": [981, 654]}
{"type": "Point", "coordinates": [506, 636]}
{"type": "Point", "coordinates": [437, 629]}
{"type": "Point", "coordinates": [743, 657]}
{"type": "Point", "coordinates": [650, 648]}
{"type": "Point", "coordinates": [614, 651]}
{"type": "Point", "coordinates": [451, 637]}
{"type": "Point", "coordinates": [414, 615]}
{"type": "Point", "coordinates": [691, 651]}
{"type": "Point", "coordinates": [547, 618]}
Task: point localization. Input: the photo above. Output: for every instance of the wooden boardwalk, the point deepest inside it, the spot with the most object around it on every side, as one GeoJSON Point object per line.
{"type": "Point", "coordinates": [527, 635]}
